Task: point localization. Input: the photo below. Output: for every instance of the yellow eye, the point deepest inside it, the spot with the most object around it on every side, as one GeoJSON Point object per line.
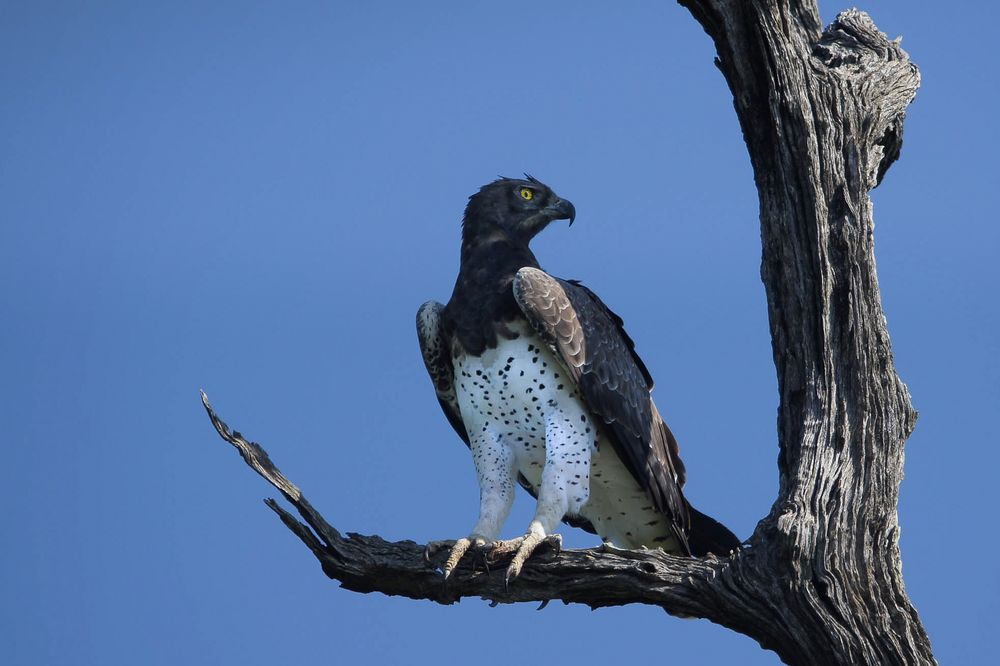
{"type": "Point", "coordinates": [527, 194]}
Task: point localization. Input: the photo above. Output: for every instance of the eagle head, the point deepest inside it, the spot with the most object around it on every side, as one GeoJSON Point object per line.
{"type": "Point", "coordinates": [521, 207]}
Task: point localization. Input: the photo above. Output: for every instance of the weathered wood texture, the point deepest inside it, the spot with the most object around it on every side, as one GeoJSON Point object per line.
{"type": "Point", "coordinates": [820, 580]}
{"type": "Point", "coordinates": [822, 116]}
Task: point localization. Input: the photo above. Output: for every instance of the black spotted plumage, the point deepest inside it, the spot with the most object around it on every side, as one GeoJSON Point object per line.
{"type": "Point", "coordinates": [614, 382]}
{"type": "Point", "coordinates": [501, 293]}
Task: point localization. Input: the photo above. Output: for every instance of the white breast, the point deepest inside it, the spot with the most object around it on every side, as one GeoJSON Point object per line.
{"type": "Point", "coordinates": [518, 392]}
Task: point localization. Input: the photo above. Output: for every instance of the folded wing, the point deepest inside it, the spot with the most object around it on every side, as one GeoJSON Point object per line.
{"type": "Point", "coordinates": [435, 349]}
{"type": "Point", "coordinates": [600, 357]}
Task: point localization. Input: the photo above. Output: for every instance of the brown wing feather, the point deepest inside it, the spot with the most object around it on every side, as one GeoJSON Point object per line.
{"type": "Point", "coordinates": [613, 381]}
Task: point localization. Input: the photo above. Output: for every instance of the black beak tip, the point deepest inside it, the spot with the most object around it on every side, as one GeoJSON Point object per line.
{"type": "Point", "coordinates": [566, 210]}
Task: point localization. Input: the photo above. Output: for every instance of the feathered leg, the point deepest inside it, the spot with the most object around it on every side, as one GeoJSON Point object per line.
{"type": "Point", "coordinates": [494, 467]}
{"type": "Point", "coordinates": [565, 488]}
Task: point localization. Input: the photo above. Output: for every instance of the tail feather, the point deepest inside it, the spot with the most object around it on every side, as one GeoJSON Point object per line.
{"type": "Point", "coordinates": [708, 535]}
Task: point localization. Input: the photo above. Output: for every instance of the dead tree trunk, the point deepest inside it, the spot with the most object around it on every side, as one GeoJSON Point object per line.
{"type": "Point", "coordinates": [822, 116]}
{"type": "Point", "coordinates": [820, 580]}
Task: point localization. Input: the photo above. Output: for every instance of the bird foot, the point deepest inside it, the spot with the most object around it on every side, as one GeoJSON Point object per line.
{"type": "Point", "coordinates": [457, 550]}
{"type": "Point", "coordinates": [522, 547]}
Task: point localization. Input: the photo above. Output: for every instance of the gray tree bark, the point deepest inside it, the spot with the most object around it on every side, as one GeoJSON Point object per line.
{"type": "Point", "coordinates": [820, 580]}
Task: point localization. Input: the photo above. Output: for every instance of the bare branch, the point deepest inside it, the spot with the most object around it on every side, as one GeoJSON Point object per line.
{"type": "Point", "coordinates": [596, 577]}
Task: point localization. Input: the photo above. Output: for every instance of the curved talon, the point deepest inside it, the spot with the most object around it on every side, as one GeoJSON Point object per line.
{"type": "Point", "coordinates": [554, 541]}
{"type": "Point", "coordinates": [528, 544]}
{"type": "Point", "coordinates": [458, 550]}
{"type": "Point", "coordinates": [432, 548]}
{"type": "Point", "coordinates": [522, 547]}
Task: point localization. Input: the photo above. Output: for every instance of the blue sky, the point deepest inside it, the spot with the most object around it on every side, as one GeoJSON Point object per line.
{"type": "Point", "coordinates": [254, 200]}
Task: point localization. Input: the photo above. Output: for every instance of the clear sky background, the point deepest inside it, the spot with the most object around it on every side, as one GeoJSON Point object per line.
{"type": "Point", "coordinates": [254, 199]}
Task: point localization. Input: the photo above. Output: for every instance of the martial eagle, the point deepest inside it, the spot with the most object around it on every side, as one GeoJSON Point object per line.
{"type": "Point", "coordinates": [540, 380]}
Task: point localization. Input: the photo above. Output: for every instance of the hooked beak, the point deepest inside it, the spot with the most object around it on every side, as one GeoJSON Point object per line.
{"type": "Point", "coordinates": [561, 209]}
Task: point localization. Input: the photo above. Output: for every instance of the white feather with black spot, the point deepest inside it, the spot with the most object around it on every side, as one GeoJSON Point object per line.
{"type": "Point", "coordinates": [524, 416]}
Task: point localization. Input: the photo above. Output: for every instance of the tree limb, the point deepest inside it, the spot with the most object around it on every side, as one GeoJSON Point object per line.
{"type": "Point", "coordinates": [596, 577]}
{"type": "Point", "coordinates": [820, 580]}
